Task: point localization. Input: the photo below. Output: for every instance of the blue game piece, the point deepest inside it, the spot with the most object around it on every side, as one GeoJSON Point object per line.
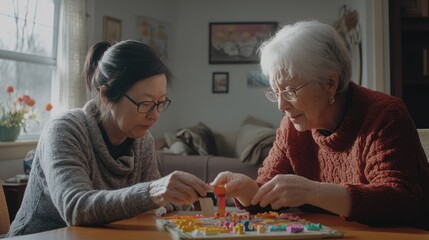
{"type": "Point", "coordinates": [246, 226]}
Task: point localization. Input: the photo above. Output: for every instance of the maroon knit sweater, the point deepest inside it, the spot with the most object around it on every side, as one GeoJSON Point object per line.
{"type": "Point", "coordinates": [375, 153]}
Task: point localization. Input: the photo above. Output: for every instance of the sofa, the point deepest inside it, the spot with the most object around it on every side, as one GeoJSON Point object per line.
{"type": "Point", "coordinates": [204, 167]}
{"type": "Point", "coordinates": [205, 153]}
{"type": "Point", "coordinates": [208, 166]}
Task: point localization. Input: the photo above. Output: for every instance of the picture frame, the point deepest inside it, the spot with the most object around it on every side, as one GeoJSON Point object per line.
{"type": "Point", "coordinates": [157, 34]}
{"type": "Point", "coordinates": [348, 27]}
{"type": "Point", "coordinates": [220, 82]}
{"type": "Point", "coordinates": [237, 42]}
{"type": "Point", "coordinates": [112, 29]}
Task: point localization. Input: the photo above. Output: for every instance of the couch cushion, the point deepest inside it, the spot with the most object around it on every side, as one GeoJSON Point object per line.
{"type": "Point", "coordinates": [216, 165]}
{"type": "Point", "coordinates": [196, 165]}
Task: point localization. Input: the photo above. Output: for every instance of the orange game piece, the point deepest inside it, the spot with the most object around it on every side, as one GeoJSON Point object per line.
{"type": "Point", "coordinates": [219, 190]}
{"type": "Point", "coordinates": [221, 199]}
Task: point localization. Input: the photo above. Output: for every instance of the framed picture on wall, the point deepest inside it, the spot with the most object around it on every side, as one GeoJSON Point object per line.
{"type": "Point", "coordinates": [220, 82]}
{"type": "Point", "coordinates": [156, 34]}
{"type": "Point", "coordinates": [237, 42]}
{"type": "Point", "coordinates": [112, 29]}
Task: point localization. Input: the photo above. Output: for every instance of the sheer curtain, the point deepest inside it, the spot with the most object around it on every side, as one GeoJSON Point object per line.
{"type": "Point", "coordinates": [70, 87]}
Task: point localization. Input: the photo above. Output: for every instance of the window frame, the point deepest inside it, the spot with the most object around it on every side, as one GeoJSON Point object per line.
{"type": "Point", "coordinates": [34, 58]}
{"type": "Point", "coordinates": [51, 61]}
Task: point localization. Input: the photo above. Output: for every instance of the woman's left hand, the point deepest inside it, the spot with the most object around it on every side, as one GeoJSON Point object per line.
{"type": "Point", "coordinates": [285, 191]}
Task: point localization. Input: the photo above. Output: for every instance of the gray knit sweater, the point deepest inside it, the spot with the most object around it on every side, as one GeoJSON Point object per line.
{"type": "Point", "coordinates": [75, 181]}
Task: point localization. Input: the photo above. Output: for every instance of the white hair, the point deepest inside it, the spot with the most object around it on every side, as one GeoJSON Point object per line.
{"type": "Point", "coordinates": [309, 50]}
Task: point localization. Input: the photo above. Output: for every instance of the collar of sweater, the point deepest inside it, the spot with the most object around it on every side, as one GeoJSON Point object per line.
{"type": "Point", "coordinates": [355, 113]}
{"type": "Point", "coordinates": [122, 165]}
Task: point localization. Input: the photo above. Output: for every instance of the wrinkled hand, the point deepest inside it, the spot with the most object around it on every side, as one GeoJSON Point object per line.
{"type": "Point", "coordinates": [237, 185]}
{"type": "Point", "coordinates": [285, 191]}
{"type": "Point", "coordinates": [177, 187]}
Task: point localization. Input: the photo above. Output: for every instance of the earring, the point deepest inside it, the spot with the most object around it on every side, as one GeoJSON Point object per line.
{"type": "Point", "coordinates": [331, 100]}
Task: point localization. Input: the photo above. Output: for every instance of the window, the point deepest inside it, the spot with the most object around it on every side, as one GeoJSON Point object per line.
{"type": "Point", "coordinates": [28, 50]}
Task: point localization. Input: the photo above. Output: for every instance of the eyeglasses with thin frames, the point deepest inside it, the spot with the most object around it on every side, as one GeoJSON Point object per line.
{"type": "Point", "coordinates": [289, 94]}
{"type": "Point", "coordinates": [148, 106]}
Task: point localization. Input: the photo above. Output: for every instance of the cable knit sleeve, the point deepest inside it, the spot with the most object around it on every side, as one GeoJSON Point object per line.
{"type": "Point", "coordinates": [87, 191]}
{"type": "Point", "coordinates": [275, 163]}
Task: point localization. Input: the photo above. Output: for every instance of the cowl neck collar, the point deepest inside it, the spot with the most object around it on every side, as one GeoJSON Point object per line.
{"type": "Point", "coordinates": [349, 127]}
{"type": "Point", "coordinates": [122, 165]}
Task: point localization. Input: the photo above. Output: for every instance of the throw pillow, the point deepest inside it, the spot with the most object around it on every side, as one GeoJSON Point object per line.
{"type": "Point", "coordinates": [199, 138]}
{"type": "Point", "coordinates": [261, 151]}
{"type": "Point", "coordinates": [249, 138]}
{"type": "Point", "coordinates": [170, 138]}
{"type": "Point", "coordinates": [179, 148]}
{"type": "Point", "coordinates": [256, 121]}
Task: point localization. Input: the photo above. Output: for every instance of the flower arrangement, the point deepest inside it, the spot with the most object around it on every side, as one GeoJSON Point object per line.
{"type": "Point", "coordinates": [19, 111]}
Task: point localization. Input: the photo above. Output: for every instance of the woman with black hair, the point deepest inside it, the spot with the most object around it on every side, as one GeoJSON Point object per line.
{"type": "Point", "coordinates": [96, 164]}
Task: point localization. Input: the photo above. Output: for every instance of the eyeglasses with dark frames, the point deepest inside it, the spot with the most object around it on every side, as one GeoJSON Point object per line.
{"type": "Point", "coordinates": [289, 94]}
{"type": "Point", "coordinates": [148, 106]}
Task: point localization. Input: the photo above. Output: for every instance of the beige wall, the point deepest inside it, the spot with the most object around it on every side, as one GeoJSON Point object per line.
{"type": "Point", "coordinates": [191, 92]}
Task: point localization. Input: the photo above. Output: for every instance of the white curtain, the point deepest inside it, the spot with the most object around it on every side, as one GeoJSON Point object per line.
{"type": "Point", "coordinates": [70, 86]}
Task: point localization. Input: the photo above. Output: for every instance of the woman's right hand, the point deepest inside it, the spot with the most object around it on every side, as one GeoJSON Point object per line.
{"type": "Point", "coordinates": [177, 187]}
{"type": "Point", "coordinates": [238, 186]}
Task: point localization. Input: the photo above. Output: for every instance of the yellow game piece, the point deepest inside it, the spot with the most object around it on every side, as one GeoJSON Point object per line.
{"type": "Point", "coordinates": [188, 228]}
{"type": "Point", "coordinates": [210, 231]}
{"type": "Point", "coordinates": [239, 229]}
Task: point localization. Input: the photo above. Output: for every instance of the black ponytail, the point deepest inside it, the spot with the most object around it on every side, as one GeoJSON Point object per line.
{"type": "Point", "coordinates": [90, 68]}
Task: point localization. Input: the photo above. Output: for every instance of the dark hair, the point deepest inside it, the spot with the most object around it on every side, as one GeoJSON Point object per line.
{"type": "Point", "coordinates": [120, 66]}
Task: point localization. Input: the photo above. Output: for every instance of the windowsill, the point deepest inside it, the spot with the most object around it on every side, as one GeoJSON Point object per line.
{"type": "Point", "coordinates": [17, 149]}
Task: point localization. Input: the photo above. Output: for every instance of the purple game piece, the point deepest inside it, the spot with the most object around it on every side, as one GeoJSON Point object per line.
{"type": "Point", "coordinates": [295, 228]}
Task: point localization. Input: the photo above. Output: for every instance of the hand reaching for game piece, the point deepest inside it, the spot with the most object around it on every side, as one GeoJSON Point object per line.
{"type": "Point", "coordinates": [177, 187]}
{"type": "Point", "coordinates": [237, 185]}
{"type": "Point", "coordinates": [285, 191]}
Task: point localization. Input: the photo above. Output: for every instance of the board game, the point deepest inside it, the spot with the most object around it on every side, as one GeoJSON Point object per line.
{"type": "Point", "coordinates": [242, 225]}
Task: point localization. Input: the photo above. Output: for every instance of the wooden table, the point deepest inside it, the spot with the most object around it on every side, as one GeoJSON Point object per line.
{"type": "Point", "coordinates": [143, 227]}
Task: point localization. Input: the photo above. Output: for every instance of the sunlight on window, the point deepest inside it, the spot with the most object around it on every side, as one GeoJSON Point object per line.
{"type": "Point", "coordinates": [28, 45]}
{"type": "Point", "coordinates": [27, 28]}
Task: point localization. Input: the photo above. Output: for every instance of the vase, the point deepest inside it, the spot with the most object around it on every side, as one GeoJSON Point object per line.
{"type": "Point", "coordinates": [9, 134]}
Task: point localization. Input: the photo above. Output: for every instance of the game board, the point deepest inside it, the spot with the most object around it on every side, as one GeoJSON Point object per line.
{"type": "Point", "coordinates": [243, 225]}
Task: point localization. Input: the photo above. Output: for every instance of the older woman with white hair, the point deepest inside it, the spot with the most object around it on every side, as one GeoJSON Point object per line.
{"type": "Point", "coordinates": [340, 147]}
